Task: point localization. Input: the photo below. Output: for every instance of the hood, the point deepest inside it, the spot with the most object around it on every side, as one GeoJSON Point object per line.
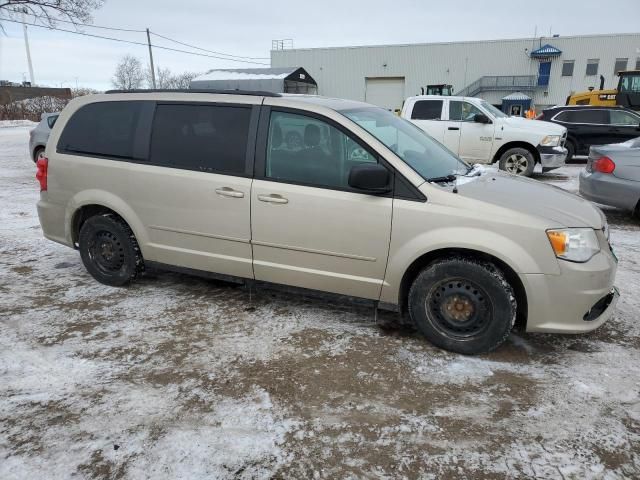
{"type": "Point", "coordinates": [533, 198]}
{"type": "Point", "coordinates": [544, 128]}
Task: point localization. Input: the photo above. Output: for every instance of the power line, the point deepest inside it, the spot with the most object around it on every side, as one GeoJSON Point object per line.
{"type": "Point", "coordinates": [205, 50]}
{"type": "Point", "coordinates": [133, 42]}
{"type": "Point", "coordinates": [55, 20]}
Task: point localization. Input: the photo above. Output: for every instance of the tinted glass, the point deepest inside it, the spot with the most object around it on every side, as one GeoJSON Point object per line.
{"type": "Point", "coordinates": [302, 149]}
{"type": "Point", "coordinates": [620, 117]}
{"type": "Point", "coordinates": [567, 68]}
{"type": "Point", "coordinates": [207, 138]}
{"type": "Point", "coordinates": [630, 83]}
{"type": "Point", "coordinates": [584, 116]}
{"type": "Point", "coordinates": [105, 128]}
{"type": "Point", "coordinates": [462, 111]}
{"type": "Point", "coordinates": [427, 110]}
{"type": "Point", "coordinates": [51, 121]}
{"type": "Point", "coordinates": [417, 149]}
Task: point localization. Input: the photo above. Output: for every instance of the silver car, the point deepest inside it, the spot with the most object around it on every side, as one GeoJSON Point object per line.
{"type": "Point", "coordinates": [612, 175]}
{"type": "Point", "coordinates": [38, 136]}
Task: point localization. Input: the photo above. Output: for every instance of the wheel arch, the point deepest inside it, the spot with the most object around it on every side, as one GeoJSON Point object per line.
{"type": "Point", "coordinates": [517, 144]}
{"type": "Point", "coordinates": [88, 204]}
{"type": "Point", "coordinates": [428, 258]}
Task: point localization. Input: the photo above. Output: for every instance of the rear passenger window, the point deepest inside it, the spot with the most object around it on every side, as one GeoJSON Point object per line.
{"type": "Point", "coordinates": [207, 138]}
{"type": "Point", "coordinates": [104, 129]}
{"type": "Point", "coordinates": [306, 150]}
{"type": "Point", "coordinates": [427, 110]}
{"type": "Point", "coordinates": [599, 117]}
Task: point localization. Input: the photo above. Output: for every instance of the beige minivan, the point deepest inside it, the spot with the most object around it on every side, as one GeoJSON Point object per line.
{"type": "Point", "coordinates": [324, 194]}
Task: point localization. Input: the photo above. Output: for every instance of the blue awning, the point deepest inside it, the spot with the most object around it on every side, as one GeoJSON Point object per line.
{"type": "Point", "coordinates": [546, 51]}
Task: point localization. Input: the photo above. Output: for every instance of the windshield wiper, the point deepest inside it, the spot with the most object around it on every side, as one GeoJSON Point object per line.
{"type": "Point", "coordinates": [446, 178]}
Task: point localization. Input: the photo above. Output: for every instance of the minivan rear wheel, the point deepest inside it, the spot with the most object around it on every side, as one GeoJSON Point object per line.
{"type": "Point", "coordinates": [109, 250]}
{"type": "Point", "coordinates": [518, 161]}
{"type": "Point", "coordinates": [463, 305]}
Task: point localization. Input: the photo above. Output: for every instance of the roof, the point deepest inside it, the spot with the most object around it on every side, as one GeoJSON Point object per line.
{"type": "Point", "coordinates": [248, 74]}
{"type": "Point", "coordinates": [546, 51]}
{"type": "Point", "coordinates": [213, 91]}
{"type": "Point", "coordinates": [517, 96]}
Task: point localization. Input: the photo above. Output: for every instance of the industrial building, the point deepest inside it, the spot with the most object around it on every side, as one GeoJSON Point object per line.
{"type": "Point", "coordinates": [545, 70]}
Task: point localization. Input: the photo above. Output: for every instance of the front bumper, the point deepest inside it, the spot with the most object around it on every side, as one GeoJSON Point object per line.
{"type": "Point", "coordinates": [609, 190]}
{"type": "Point", "coordinates": [552, 157]}
{"type": "Point", "coordinates": [572, 302]}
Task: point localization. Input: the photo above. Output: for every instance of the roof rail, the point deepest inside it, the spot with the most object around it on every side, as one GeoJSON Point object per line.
{"type": "Point", "coordinates": [187, 90]}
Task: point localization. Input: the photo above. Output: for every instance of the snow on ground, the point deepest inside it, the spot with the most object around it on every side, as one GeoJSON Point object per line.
{"type": "Point", "coordinates": [180, 377]}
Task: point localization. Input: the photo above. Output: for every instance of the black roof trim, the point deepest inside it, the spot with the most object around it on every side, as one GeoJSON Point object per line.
{"type": "Point", "coordinates": [195, 90]}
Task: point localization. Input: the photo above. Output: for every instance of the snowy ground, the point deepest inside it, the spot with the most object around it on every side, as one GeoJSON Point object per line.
{"type": "Point", "coordinates": [179, 377]}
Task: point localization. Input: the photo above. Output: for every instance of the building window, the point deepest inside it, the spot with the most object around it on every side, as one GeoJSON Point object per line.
{"type": "Point", "coordinates": [638, 63]}
{"type": "Point", "coordinates": [592, 66]}
{"type": "Point", "coordinates": [621, 64]}
{"type": "Point", "coordinates": [567, 68]}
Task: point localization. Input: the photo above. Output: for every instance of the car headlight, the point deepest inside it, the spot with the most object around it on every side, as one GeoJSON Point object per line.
{"type": "Point", "coordinates": [574, 244]}
{"type": "Point", "coordinates": [551, 141]}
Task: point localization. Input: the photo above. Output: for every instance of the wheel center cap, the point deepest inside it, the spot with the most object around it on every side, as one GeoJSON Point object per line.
{"type": "Point", "coordinates": [458, 308]}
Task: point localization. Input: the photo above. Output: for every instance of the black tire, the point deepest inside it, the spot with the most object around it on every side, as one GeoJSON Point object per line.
{"type": "Point", "coordinates": [463, 305]}
{"type": "Point", "coordinates": [36, 153]}
{"type": "Point", "coordinates": [571, 150]}
{"type": "Point", "coordinates": [109, 250]}
{"type": "Point", "coordinates": [518, 161]}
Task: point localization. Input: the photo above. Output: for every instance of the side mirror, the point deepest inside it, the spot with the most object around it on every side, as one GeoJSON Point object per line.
{"type": "Point", "coordinates": [370, 177]}
{"type": "Point", "coordinates": [481, 118]}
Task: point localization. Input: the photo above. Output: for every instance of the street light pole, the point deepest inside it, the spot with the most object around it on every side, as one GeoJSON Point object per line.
{"type": "Point", "coordinates": [153, 71]}
{"type": "Point", "coordinates": [26, 44]}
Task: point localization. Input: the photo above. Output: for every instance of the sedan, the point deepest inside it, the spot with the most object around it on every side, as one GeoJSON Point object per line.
{"type": "Point", "coordinates": [38, 136]}
{"type": "Point", "coordinates": [612, 176]}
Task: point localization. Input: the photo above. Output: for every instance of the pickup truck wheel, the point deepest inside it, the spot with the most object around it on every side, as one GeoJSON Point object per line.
{"type": "Point", "coordinates": [518, 161]}
{"type": "Point", "coordinates": [571, 151]}
{"type": "Point", "coordinates": [109, 250]}
{"type": "Point", "coordinates": [463, 305]}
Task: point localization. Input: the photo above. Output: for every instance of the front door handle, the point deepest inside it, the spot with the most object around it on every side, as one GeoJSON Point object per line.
{"type": "Point", "coordinates": [229, 192]}
{"type": "Point", "coordinates": [273, 198]}
{"type": "Point", "coordinates": [454, 128]}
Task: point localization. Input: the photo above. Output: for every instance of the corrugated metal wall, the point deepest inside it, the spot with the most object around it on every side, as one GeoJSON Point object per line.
{"type": "Point", "coordinates": [341, 72]}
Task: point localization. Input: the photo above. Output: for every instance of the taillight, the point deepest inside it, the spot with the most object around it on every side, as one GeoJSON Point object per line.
{"type": "Point", "coordinates": [603, 165]}
{"type": "Point", "coordinates": [42, 164]}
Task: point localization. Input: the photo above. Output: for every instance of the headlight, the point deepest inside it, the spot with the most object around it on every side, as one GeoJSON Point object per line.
{"type": "Point", "coordinates": [551, 141]}
{"type": "Point", "coordinates": [574, 244]}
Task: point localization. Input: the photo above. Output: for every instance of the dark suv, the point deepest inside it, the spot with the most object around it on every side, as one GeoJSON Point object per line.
{"type": "Point", "coordinates": [590, 125]}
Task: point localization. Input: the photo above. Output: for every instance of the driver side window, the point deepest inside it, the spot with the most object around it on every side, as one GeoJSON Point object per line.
{"type": "Point", "coordinates": [462, 111]}
{"type": "Point", "coordinates": [302, 149]}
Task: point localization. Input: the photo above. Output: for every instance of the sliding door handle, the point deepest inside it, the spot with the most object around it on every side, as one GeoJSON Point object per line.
{"type": "Point", "coordinates": [454, 128]}
{"type": "Point", "coordinates": [273, 198]}
{"type": "Point", "coordinates": [229, 192]}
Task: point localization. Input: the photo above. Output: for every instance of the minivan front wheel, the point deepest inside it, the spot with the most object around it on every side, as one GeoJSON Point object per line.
{"type": "Point", "coordinates": [463, 305]}
{"type": "Point", "coordinates": [518, 161]}
{"type": "Point", "coordinates": [109, 250]}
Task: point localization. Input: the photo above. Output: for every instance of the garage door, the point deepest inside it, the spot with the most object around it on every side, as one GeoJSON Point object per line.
{"type": "Point", "coordinates": [387, 92]}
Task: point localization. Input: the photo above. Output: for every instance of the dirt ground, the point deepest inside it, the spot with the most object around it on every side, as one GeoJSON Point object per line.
{"type": "Point", "coordinates": [181, 377]}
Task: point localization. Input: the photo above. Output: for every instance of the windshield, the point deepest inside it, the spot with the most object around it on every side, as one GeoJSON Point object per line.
{"type": "Point", "coordinates": [493, 110]}
{"type": "Point", "coordinates": [425, 155]}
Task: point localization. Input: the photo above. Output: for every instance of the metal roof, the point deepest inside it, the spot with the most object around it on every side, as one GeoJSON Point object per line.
{"type": "Point", "coordinates": [517, 96]}
{"type": "Point", "coordinates": [247, 74]}
{"type": "Point", "coordinates": [546, 51]}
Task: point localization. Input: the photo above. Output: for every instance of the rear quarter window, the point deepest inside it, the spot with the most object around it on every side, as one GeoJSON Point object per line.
{"type": "Point", "coordinates": [51, 121]}
{"type": "Point", "coordinates": [103, 129]}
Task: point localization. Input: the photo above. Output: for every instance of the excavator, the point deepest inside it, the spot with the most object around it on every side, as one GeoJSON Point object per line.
{"type": "Point", "coordinates": [627, 94]}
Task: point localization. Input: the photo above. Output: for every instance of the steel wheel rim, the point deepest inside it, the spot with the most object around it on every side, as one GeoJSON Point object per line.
{"type": "Point", "coordinates": [459, 308]}
{"type": "Point", "coordinates": [106, 252]}
{"type": "Point", "coordinates": [516, 164]}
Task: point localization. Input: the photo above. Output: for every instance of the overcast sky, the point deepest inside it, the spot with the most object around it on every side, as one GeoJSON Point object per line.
{"type": "Point", "coordinates": [247, 28]}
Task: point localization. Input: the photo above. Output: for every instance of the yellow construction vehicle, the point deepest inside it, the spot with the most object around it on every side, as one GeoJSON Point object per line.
{"type": "Point", "coordinates": [627, 94]}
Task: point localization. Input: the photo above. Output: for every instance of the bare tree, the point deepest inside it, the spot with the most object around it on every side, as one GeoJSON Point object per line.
{"type": "Point", "coordinates": [165, 78]}
{"type": "Point", "coordinates": [46, 12]}
{"type": "Point", "coordinates": [129, 74]}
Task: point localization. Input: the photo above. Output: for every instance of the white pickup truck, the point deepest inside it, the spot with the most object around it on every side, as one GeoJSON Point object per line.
{"type": "Point", "coordinates": [478, 132]}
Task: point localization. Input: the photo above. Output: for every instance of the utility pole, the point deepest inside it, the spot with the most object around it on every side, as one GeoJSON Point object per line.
{"type": "Point", "coordinates": [26, 44]}
{"type": "Point", "coordinates": [153, 71]}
